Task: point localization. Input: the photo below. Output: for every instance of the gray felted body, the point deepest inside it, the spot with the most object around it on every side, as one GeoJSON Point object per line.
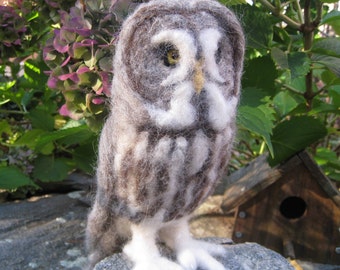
{"type": "Point", "coordinates": [168, 138]}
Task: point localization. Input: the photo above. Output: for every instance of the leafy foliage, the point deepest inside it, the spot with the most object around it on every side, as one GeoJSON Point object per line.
{"type": "Point", "coordinates": [37, 143]}
{"type": "Point", "coordinates": [55, 73]}
{"type": "Point", "coordinates": [292, 75]}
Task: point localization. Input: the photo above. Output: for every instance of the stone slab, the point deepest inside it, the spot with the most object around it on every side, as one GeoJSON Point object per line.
{"type": "Point", "coordinates": [248, 256]}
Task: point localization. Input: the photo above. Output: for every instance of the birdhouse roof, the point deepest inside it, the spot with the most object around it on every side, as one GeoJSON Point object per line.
{"type": "Point", "coordinates": [258, 175]}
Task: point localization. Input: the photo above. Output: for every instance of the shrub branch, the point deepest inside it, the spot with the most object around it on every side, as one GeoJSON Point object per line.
{"type": "Point", "coordinates": [277, 12]}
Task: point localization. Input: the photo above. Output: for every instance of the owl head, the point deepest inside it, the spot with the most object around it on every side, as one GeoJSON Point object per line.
{"type": "Point", "coordinates": [179, 63]}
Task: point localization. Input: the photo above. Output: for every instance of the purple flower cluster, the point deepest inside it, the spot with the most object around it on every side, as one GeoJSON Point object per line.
{"type": "Point", "coordinates": [12, 31]}
{"type": "Point", "coordinates": [79, 56]}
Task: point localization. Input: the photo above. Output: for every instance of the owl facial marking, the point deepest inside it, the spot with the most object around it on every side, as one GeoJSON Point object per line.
{"type": "Point", "coordinates": [185, 53]}
{"type": "Point", "coordinates": [194, 61]}
{"type": "Point", "coordinates": [209, 40]}
{"type": "Point", "coordinates": [221, 110]}
{"type": "Point", "coordinates": [181, 113]}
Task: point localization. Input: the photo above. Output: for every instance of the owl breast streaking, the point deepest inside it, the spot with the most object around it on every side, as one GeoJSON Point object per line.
{"type": "Point", "coordinates": [168, 138]}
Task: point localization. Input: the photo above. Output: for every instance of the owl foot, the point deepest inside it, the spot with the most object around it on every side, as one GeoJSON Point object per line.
{"type": "Point", "coordinates": [143, 251]}
{"type": "Point", "coordinates": [191, 253]}
{"type": "Point", "coordinates": [151, 261]}
{"type": "Point", "coordinates": [194, 254]}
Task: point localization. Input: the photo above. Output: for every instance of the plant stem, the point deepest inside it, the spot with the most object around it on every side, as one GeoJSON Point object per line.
{"type": "Point", "coordinates": [276, 12]}
{"type": "Point", "coordinates": [319, 91]}
{"type": "Point", "coordinates": [318, 17]}
{"type": "Point", "coordinates": [12, 112]}
{"type": "Point", "coordinates": [307, 29]}
{"type": "Point", "coordinates": [299, 10]}
{"type": "Point", "coordinates": [292, 89]}
{"type": "Point", "coordinates": [308, 34]}
{"type": "Point", "coordinates": [262, 148]}
{"type": "Point", "coordinates": [278, 5]}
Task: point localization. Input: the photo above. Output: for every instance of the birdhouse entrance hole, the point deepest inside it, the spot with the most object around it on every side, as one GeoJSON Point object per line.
{"type": "Point", "coordinates": [293, 207]}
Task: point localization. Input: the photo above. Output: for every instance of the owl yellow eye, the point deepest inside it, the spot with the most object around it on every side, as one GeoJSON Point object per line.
{"type": "Point", "coordinates": [170, 55]}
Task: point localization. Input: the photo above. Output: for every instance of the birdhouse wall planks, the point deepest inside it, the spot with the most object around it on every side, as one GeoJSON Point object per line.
{"type": "Point", "coordinates": [292, 209]}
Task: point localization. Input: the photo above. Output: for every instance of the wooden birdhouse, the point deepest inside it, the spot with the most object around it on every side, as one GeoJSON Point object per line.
{"type": "Point", "coordinates": [293, 209]}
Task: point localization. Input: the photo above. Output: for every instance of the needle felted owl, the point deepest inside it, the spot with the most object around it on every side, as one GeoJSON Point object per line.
{"type": "Point", "coordinates": [168, 138]}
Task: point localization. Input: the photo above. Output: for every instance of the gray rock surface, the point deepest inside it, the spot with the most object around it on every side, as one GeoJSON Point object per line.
{"type": "Point", "coordinates": [248, 256]}
{"type": "Point", "coordinates": [47, 233]}
{"type": "Point", "coordinates": [43, 233]}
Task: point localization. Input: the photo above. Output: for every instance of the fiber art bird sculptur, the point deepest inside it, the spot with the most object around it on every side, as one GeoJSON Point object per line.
{"type": "Point", "coordinates": [168, 139]}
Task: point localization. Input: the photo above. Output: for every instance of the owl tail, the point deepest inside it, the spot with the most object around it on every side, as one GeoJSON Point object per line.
{"type": "Point", "coordinates": [105, 234]}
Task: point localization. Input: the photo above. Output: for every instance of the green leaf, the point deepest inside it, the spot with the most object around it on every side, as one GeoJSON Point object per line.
{"type": "Point", "coordinates": [87, 79]}
{"type": "Point", "coordinates": [252, 97]}
{"type": "Point", "coordinates": [47, 149]}
{"type": "Point", "coordinates": [67, 136]}
{"type": "Point", "coordinates": [327, 46]}
{"type": "Point", "coordinates": [319, 106]}
{"type": "Point", "coordinates": [293, 135]}
{"type": "Point", "coordinates": [5, 127]}
{"type": "Point", "coordinates": [44, 142]}
{"type": "Point", "coordinates": [30, 138]}
{"type": "Point", "coordinates": [27, 98]}
{"type": "Point", "coordinates": [78, 136]}
{"type": "Point", "coordinates": [51, 169]}
{"type": "Point", "coordinates": [284, 103]}
{"type": "Point", "coordinates": [229, 3]}
{"type": "Point", "coordinates": [259, 34]}
{"type": "Point", "coordinates": [332, 63]}
{"type": "Point", "coordinates": [332, 18]}
{"type": "Point", "coordinates": [41, 119]}
{"type": "Point", "coordinates": [33, 73]}
{"type": "Point", "coordinates": [299, 84]}
{"type": "Point", "coordinates": [334, 92]}
{"type": "Point", "coordinates": [324, 156]}
{"type": "Point", "coordinates": [12, 178]}
{"type": "Point", "coordinates": [258, 121]}
{"type": "Point", "coordinates": [299, 64]}
{"type": "Point", "coordinates": [79, 52]}
{"type": "Point", "coordinates": [280, 58]}
{"type": "Point", "coordinates": [329, 78]}
{"type": "Point", "coordinates": [329, 162]}
{"type": "Point", "coordinates": [260, 73]}
{"type": "Point", "coordinates": [334, 176]}
{"type": "Point", "coordinates": [4, 86]}
{"type": "Point", "coordinates": [85, 157]}
{"type": "Point", "coordinates": [31, 70]}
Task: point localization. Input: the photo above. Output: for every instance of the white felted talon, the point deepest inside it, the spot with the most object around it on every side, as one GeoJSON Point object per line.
{"type": "Point", "coordinates": [187, 259]}
{"type": "Point", "coordinates": [198, 253]}
{"type": "Point", "coordinates": [191, 253]}
{"type": "Point", "coordinates": [148, 259]}
{"type": "Point", "coordinates": [212, 249]}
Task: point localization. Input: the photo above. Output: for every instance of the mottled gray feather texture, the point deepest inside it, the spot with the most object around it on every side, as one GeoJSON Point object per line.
{"type": "Point", "coordinates": [168, 139]}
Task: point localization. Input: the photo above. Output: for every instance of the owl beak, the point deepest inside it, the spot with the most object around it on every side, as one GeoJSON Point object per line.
{"type": "Point", "coordinates": [198, 79]}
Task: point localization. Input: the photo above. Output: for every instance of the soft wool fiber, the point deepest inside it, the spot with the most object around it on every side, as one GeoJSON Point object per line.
{"type": "Point", "coordinates": [168, 138]}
